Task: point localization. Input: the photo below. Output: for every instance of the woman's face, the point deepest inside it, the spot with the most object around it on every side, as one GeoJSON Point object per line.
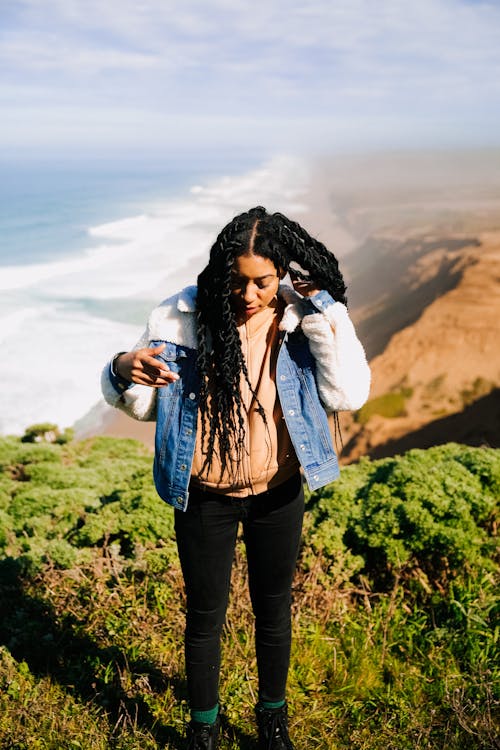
{"type": "Point", "coordinates": [254, 285]}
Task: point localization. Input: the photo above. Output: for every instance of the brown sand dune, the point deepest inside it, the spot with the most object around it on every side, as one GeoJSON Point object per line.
{"type": "Point", "coordinates": [117, 424]}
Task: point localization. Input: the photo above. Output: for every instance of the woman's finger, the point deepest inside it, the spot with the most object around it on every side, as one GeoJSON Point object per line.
{"type": "Point", "coordinates": [155, 382]}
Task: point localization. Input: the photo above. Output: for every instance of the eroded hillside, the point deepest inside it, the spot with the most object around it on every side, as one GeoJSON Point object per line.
{"type": "Point", "coordinates": [429, 310]}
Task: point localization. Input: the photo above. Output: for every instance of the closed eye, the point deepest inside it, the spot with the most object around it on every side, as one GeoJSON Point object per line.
{"type": "Point", "coordinates": [261, 283]}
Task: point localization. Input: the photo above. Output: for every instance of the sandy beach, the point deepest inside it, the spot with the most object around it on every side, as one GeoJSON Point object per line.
{"type": "Point", "coordinates": [117, 424]}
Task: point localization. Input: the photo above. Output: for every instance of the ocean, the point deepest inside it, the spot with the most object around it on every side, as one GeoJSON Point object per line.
{"type": "Point", "coordinates": [87, 249]}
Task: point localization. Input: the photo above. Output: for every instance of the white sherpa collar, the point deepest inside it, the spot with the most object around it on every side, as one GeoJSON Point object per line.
{"type": "Point", "coordinates": [186, 301]}
{"type": "Point", "coordinates": [293, 313]}
{"type": "Point", "coordinates": [165, 322]}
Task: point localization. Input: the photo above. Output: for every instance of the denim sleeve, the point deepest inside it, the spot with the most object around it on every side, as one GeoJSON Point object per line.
{"type": "Point", "coordinates": [319, 302]}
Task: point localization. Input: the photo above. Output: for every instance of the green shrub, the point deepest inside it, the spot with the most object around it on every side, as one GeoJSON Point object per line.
{"type": "Point", "coordinates": [59, 476]}
{"type": "Point", "coordinates": [14, 454]}
{"type": "Point", "coordinates": [5, 529]}
{"type": "Point", "coordinates": [429, 510]}
{"type": "Point", "coordinates": [127, 519]}
{"type": "Point", "coordinates": [60, 500]}
{"type": "Point", "coordinates": [47, 432]}
{"type": "Point", "coordinates": [395, 605]}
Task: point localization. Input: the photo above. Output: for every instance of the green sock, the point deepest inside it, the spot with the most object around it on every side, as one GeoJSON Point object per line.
{"type": "Point", "coordinates": [268, 705]}
{"type": "Point", "coordinates": [206, 717]}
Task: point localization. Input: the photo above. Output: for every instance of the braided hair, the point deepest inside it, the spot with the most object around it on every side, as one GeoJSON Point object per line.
{"type": "Point", "coordinates": [220, 359]}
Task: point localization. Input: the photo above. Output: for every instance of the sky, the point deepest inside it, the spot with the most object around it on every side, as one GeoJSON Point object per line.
{"type": "Point", "coordinates": [90, 76]}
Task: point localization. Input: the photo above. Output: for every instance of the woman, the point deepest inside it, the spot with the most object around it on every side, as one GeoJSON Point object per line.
{"type": "Point", "coordinates": [240, 373]}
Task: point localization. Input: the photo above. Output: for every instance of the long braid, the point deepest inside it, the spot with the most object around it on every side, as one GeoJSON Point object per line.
{"type": "Point", "coordinates": [310, 254]}
{"type": "Point", "coordinates": [220, 360]}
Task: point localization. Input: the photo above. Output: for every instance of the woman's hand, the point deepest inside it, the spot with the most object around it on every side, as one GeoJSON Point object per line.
{"type": "Point", "coordinates": [302, 286]}
{"type": "Point", "coordinates": [141, 367]}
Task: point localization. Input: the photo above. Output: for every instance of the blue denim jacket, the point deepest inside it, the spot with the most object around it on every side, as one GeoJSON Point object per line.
{"type": "Point", "coordinates": [177, 411]}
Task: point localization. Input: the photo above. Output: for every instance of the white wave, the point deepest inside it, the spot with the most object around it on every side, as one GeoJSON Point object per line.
{"type": "Point", "coordinates": [50, 369]}
{"type": "Point", "coordinates": [52, 355]}
{"type": "Point", "coordinates": [12, 323]}
{"type": "Point", "coordinates": [137, 253]}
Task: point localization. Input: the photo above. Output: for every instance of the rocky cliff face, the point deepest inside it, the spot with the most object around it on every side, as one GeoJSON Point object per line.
{"type": "Point", "coordinates": [427, 308]}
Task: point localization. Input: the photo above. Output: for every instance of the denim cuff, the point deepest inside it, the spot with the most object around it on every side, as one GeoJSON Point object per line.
{"type": "Point", "coordinates": [118, 383]}
{"type": "Point", "coordinates": [318, 302]}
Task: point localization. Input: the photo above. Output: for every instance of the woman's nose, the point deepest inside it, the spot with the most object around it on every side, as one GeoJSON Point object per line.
{"type": "Point", "coordinates": [249, 292]}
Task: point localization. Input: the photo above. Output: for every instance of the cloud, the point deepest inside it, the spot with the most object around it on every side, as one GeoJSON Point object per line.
{"type": "Point", "coordinates": [220, 32]}
{"type": "Point", "coordinates": [276, 59]}
{"type": "Point", "coordinates": [47, 52]}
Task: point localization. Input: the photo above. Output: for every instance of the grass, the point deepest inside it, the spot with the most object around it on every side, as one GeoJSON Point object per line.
{"type": "Point", "coordinates": [478, 388]}
{"type": "Point", "coordinates": [389, 405]}
{"type": "Point", "coordinates": [395, 607]}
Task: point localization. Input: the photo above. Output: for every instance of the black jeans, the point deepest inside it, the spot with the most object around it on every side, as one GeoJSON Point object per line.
{"type": "Point", "coordinates": [206, 536]}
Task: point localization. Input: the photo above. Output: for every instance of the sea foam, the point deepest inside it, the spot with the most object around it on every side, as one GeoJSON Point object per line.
{"type": "Point", "coordinates": [62, 320]}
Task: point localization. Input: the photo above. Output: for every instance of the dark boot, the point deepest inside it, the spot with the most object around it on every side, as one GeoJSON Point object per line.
{"type": "Point", "coordinates": [273, 728]}
{"type": "Point", "coordinates": [202, 736]}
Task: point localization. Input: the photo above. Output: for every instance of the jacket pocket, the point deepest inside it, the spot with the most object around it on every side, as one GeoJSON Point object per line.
{"type": "Point", "coordinates": [172, 355]}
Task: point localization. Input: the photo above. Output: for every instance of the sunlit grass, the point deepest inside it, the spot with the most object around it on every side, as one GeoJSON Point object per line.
{"type": "Point", "coordinates": [394, 611]}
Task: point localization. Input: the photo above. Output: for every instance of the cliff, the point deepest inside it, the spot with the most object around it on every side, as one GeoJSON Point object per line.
{"type": "Point", "coordinates": [430, 319]}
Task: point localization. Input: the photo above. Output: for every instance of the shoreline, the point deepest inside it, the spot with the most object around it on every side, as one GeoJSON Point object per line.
{"type": "Point", "coordinates": [80, 308]}
{"type": "Point", "coordinates": [121, 426]}
{"type": "Point", "coordinates": [341, 207]}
